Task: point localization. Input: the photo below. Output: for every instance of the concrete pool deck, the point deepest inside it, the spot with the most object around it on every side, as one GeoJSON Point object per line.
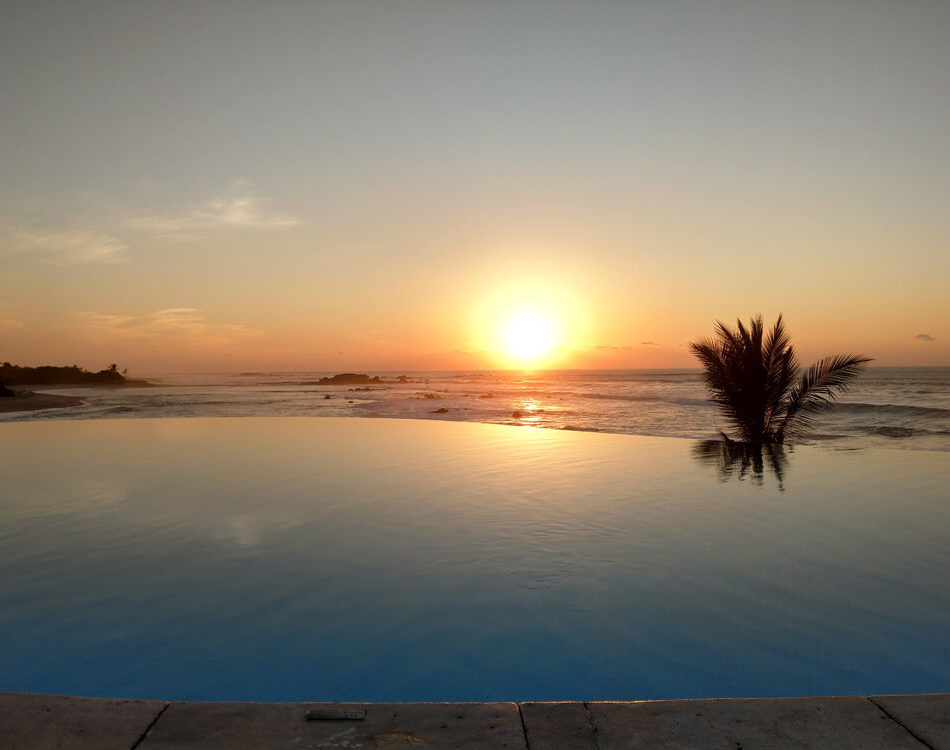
{"type": "Point", "coordinates": [884, 722]}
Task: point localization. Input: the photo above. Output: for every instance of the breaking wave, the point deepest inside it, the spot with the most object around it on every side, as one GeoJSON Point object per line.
{"type": "Point", "coordinates": [891, 409]}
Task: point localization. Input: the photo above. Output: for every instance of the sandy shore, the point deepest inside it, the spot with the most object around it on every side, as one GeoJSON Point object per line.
{"type": "Point", "coordinates": [30, 401]}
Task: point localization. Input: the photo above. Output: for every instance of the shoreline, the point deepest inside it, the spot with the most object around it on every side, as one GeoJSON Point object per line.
{"type": "Point", "coordinates": [897, 722]}
{"type": "Point", "coordinates": [33, 401]}
{"type": "Point", "coordinates": [822, 445]}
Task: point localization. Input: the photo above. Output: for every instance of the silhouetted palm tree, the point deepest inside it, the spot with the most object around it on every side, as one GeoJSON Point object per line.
{"type": "Point", "coordinates": [758, 384]}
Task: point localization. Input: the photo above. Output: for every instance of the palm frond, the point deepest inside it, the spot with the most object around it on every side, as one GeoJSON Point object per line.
{"type": "Point", "coordinates": [731, 367]}
{"type": "Point", "coordinates": [817, 388]}
{"type": "Point", "coordinates": [778, 358]}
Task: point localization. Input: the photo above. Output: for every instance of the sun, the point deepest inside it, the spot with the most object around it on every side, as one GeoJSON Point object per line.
{"type": "Point", "coordinates": [528, 322]}
{"type": "Point", "coordinates": [529, 335]}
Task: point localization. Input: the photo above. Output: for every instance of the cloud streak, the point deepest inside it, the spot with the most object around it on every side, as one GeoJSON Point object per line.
{"type": "Point", "coordinates": [237, 211]}
{"type": "Point", "coordinates": [176, 322]}
{"type": "Point", "coordinates": [69, 247]}
{"type": "Point", "coordinates": [924, 337]}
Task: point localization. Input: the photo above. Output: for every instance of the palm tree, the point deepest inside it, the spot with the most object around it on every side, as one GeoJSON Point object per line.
{"type": "Point", "coordinates": [760, 387]}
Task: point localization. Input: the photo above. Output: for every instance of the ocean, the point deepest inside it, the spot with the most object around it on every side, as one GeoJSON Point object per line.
{"type": "Point", "coordinates": [897, 407]}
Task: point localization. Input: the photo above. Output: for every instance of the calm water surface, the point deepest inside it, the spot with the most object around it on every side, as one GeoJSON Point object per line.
{"type": "Point", "coordinates": [343, 559]}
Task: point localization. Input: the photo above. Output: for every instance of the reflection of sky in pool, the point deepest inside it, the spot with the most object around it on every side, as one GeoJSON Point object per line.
{"type": "Point", "coordinates": [271, 559]}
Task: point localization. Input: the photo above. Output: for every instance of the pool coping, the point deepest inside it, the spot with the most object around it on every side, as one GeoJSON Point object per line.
{"type": "Point", "coordinates": [29, 720]}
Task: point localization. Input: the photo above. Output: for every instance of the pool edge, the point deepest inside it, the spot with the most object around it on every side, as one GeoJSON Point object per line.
{"type": "Point", "coordinates": [30, 720]}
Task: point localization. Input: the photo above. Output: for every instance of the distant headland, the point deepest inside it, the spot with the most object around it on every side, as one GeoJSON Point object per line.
{"type": "Point", "coordinates": [19, 399]}
{"type": "Point", "coordinates": [64, 375]}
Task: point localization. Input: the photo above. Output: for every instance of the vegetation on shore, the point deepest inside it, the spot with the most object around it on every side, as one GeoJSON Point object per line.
{"type": "Point", "coordinates": [63, 375]}
{"type": "Point", "coordinates": [759, 385]}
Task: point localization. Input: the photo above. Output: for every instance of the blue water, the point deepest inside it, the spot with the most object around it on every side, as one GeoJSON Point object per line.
{"type": "Point", "coordinates": [353, 559]}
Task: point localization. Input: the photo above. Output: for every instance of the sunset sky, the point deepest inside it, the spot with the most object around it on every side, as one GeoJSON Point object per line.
{"type": "Point", "coordinates": [385, 185]}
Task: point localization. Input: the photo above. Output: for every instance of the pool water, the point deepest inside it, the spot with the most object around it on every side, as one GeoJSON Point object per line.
{"type": "Point", "coordinates": [397, 560]}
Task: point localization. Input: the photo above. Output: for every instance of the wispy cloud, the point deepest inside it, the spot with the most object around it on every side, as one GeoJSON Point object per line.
{"type": "Point", "coordinates": [191, 321]}
{"type": "Point", "coordinates": [61, 247]}
{"type": "Point", "coordinates": [9, 319]}
{"type": "Point", "coordinates": [180, 322]}
{"type": "Point", "coordinates": [924, 337]}
{"type": "Point", "coordinates": [177, 319]}
{"type": "Point", "coordinates": [648, 343]}
{"type": "Point", "coordinates": [239, 209]}
{"type": "Point", "coordinates": [612, 347]}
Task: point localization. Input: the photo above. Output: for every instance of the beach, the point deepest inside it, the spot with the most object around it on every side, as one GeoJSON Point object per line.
{"type": "Point", "coordinates": [27, 401]}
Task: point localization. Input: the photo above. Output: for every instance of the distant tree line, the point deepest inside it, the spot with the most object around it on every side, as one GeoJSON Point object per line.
{"type": "Point", "coordinates": [67, 375]}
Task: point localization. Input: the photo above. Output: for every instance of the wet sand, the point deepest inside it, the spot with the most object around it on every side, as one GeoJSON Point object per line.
{"type": "Point", "coordinates": [30, 401]}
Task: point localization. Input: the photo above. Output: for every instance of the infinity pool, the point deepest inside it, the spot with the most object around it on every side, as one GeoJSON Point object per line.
{"type": "Point", "coordinates": [346, 559]}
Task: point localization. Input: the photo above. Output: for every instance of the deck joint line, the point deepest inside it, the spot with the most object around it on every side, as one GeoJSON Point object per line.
{"type": "Point", "coordinates": [593, 726]}
{"type": "Point", "coordinates": [524, 727]}
{"type": "Point", "coordinates": [148, 729]}
{"type": "Point", "coordinates": [901, 724]}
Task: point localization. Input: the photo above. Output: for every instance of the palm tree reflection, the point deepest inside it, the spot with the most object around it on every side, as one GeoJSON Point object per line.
{"type": "Point", "coordinates": [736, 460]}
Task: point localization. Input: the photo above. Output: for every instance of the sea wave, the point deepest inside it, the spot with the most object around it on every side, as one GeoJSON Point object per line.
{"type": "Point", "coordinates": [562, 394]}
{"type": "Point", "coordinates": [855, 407]}
{"type": "Point", "coordinates": [683, 400]}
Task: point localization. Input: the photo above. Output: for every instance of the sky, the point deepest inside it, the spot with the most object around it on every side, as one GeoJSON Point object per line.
{"type": "Point", "coordinates": [220, 186]}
